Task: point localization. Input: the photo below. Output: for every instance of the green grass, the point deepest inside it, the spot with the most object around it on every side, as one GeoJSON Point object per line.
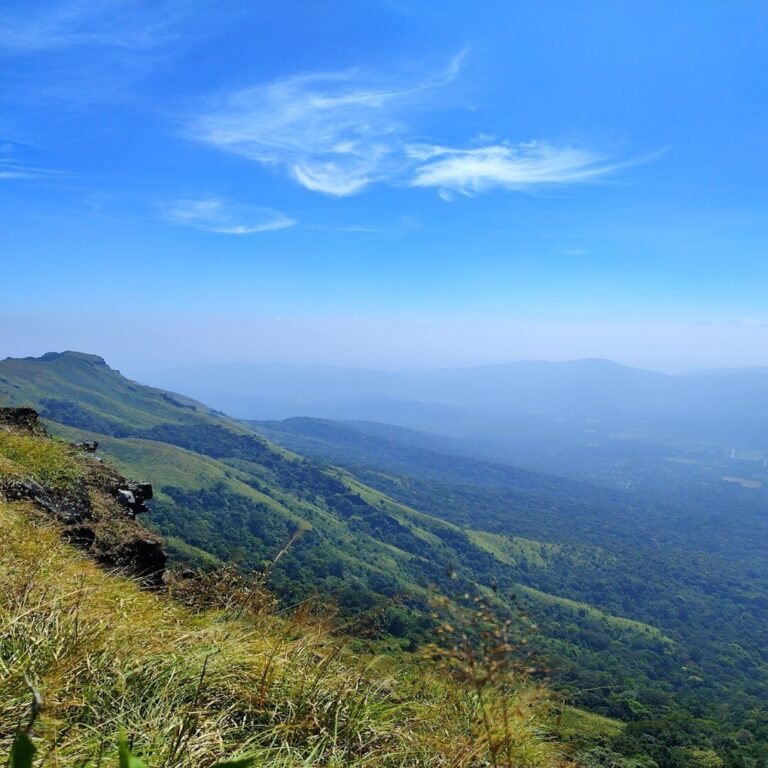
{"type": "Point", "coordinates": [513, 549]}
{"type": "Point", "coordinates": [596, 613]}
{"type": "Point", "coordinates": [588, 726]}
{"type": "Point", "coordinates": [49, 462]}
{"type": "Point", "coordinates": [179, 550]}
{"type": "Point", "coordinates": [191, 688]}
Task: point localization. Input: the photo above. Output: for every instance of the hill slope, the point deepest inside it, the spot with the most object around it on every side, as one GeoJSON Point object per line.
{"type": "Point", "coordinates": [629, 625]}
{"type": "Point", "coordinates": [205, 669]}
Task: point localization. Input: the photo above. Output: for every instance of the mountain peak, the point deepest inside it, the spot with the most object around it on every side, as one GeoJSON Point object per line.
{"type": "Point", "coordinates": [73, 356]}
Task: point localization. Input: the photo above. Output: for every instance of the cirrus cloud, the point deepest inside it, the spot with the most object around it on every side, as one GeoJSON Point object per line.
{"type": "Point", "coordinates": [225, 218]}
{"type": "Point", "coordinates": [339, 133]}
{"type": "Point", "coordinates": [58, 24]}
{"type": "Point", "coordinates": [334, 133]}
{"type": "Point", "coordinates": [520, 167]}
{"type": "Point", "coordinates": [13, 167]}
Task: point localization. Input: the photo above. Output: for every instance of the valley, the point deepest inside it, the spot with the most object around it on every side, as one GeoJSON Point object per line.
{"type": "Point", "coordinates": [641, 612]}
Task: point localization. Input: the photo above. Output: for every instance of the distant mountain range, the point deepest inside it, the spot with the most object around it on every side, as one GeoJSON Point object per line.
{"type": "Point", "coordinates": [491, 403]}
{"type": "Point", "coordinates": [644, 607]}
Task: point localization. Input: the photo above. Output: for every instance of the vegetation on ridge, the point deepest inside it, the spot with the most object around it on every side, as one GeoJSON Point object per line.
{"type": "Point", "coordinates": [638, 622]}
{"type": "Point", "coordinates": [193, 686]}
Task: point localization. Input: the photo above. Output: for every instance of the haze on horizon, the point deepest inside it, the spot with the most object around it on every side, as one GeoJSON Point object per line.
{"type": "Point", "coordinates": [384, 185]}
{"type": "Point", "coordinates": [144, 348]}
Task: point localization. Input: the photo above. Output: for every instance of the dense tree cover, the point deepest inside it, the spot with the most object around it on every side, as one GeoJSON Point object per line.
{"type": "Point", "coordinates": [709, 674]}
{"type": "Point", "coordinates": [686, 556]}
{"type": "Point", "coordinates": [673, 502]}
{"type": "Point", "coordinates": [234, 527]}
{"type": "Point", "coordinates": [635, 676]}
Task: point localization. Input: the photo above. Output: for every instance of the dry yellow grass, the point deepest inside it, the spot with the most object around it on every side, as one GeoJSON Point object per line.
{"type": "Point", "coordinates": [192, 687]}
{"type": "Point", "coordinates": [49, 461]}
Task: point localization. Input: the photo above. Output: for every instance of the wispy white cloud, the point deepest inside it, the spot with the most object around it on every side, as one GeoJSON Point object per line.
{"type": "Point", "coordinates": [518, 168]}
{"type": "Point", "coordinates": [225, 218]}
{"type": "Point", "coordinates": [335, 133]}
{"type": "Point", "coordinates": [340, 132]}
{"type": "Point", "coordinates": [12, 167]}
{"type": "Point", "coordinates": [13, 174]}
{"type": "Point", "coordinates": [57, 24]}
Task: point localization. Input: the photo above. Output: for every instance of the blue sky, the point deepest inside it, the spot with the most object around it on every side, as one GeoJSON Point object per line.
{"type": "Point", "coordinates": [385, 183]}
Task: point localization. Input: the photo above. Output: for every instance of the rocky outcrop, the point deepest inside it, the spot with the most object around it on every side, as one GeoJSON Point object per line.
{"type": "Point", "coordinates": [98, 512]}
{"type": "Point", "coordinates": [143, 556]}
{"type": "Point", "coordinates": [21, 420]}
{"type": "Point", "coordinates": [133, 496]}
{"type": "Point", "coordinates": [68, 508]}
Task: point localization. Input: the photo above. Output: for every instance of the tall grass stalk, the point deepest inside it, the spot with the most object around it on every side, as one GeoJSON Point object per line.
{"type": "Point", "coordinates": [195, 684]}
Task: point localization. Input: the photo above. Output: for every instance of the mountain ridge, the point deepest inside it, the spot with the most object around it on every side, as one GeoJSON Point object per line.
{"type": "Point", "coordinates": [375, 541]}
{"type": "Point", "coordinates": [571, 398]}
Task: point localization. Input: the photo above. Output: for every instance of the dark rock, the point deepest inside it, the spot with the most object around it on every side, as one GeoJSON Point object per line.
{"type": "Point", "coordinates": [88, 445]}
{"type": "Point", "coordinates": [143, 557]}
{"type": "Point", "coordinates": [68, 507]}
{"type": "Point", "coordinates": [133, 495]}
{"type": "Point", "coordinates": [81, 536]}
{"type": "Point", "coordinates": [21, 419]}
{"type": "Point", "coordinates": [126, 498]}
{"type": "Point", "coordinates": [142, 491]}
{"type": "Point", "coordinates": [18, 490]}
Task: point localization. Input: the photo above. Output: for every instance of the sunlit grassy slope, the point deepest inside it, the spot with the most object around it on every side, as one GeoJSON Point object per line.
{"type": "Point", "coordinates": [88, 391]}
{"type": "Point", "coordinates": [223, 492]}
{"type": "Point", "coordinates": [191, 687]}
{"type": "Point", "coordinates": [384, 545]}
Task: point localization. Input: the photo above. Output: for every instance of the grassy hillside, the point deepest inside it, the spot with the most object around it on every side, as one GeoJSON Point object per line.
{"type": "Point", "coordinates": [383, 546]}
{"type": "Point", "coordinates": [80, 389]}
{"type": "Point", "coordinates": [190, 687]}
